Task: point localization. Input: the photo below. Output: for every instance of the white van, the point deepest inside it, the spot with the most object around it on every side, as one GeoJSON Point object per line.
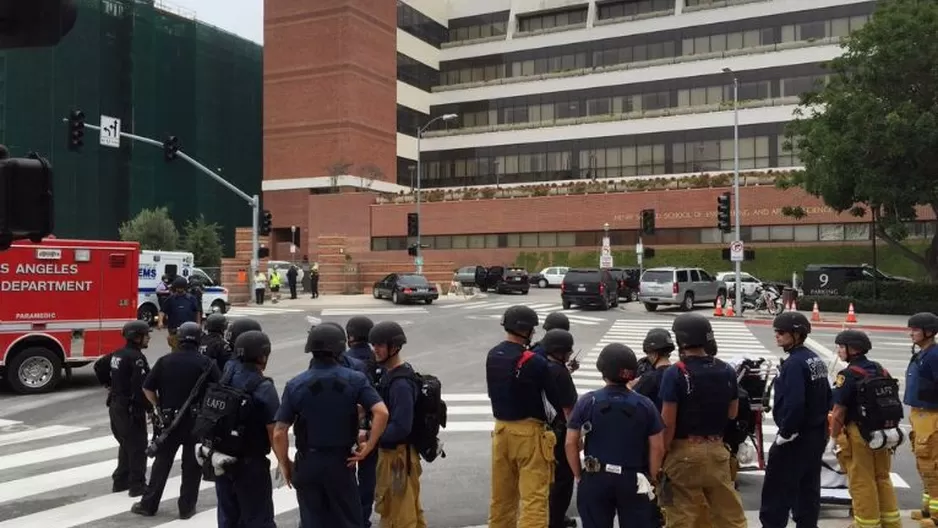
{"type": "Point", "coordinates": [155, 264]}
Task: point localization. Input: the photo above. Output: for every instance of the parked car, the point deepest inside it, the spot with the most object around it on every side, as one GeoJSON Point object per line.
{"type": "Point", "coordinates": [628, 280]}
{"type": "Point", "coordinates": [502, 279]}
{"type": "Point", "coordinates": [404, 288]}
{"type": "Point", "coordinates": [679, 286]}
{"type": "Point", "coordinates": [589, 287]}
{"type": "Point", "coordinates": [551, 276]}
{"type": "Point", "coordinates": [470, 275]}
{"type": "Point", "coordinates": [750, 283]}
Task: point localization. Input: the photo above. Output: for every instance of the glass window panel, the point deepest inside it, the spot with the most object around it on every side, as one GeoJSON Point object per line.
{"type": "Point", "coordinates": [677, 153]}
{"type": "Point", "coordinates": [477, 242]}
{"type": "Point", "coordinates": [747, 147]}
{"type": "Point", "coordinates": [687, 47]}
{"type": "Point", "coordinates": [683, 98]}
{"type": "Point", "coordinates": [710, 235]}
{"type": "Point", "coordinates": [379, 244]}
{"type": "Point", "coordinates": [752, 39]}
{"type": "Point", "coordinates": [513, 240]}
{"type": "Point", "coordinates": [762, 146]}
{"type": "Point", "coordinates": [529, 240]}
{"type": "Point", "coordinates": [701, 45]}
{"type": "Point", "coordinates": [858, 21]}
{"type": "Point", "coordinates": [628, 156]}
{"type": "Point", "coordinates": [840, 27]}
{"type": "Point", "coordinates": [613, 157]}
{"type": "Point", "coordinates": [812, 30]}
{"type": "Point", "coordinates": [491, 241]}
{"type": "Point", "coordinates": [788, 34]}
{"type": "Point", "coordinates": [718, 42]}
{"type": "Point", "coordinates": [806, 233]}
{"type": "Point", "coordinates": [698, 97]}
{"type": "Point", "coordinates": [760, 233]}
{"type": "Point", "coordinates": [831, 232]}
{"type": "Point", "coordinates": [857, 231]}
{"type": "Point", "coordinates": [782, 233]}
{"type": "Point", "coordinates": [460, 241]}
{"type": "Point", "coordinates": [734, 41]}
{"type": "Point", "coordinates": [547, 240]}
{"type": "Point", "coordinates": [714, 95]}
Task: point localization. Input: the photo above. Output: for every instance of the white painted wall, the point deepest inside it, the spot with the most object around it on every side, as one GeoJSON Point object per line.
{"type": "Point", "coordinates": [417, 49]}
{"type": "Point", "coordinates": [413, 98]}
{"type": "Point", "coordinates": [631, 127]}
{"type": "Point", "coordinates": [435, 9]}
{"type": "Point", "coordinates": [407, 146]}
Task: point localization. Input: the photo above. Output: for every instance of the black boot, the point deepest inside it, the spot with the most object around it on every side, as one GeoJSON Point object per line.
{"type": "Point", "coordinates": [140, 510]}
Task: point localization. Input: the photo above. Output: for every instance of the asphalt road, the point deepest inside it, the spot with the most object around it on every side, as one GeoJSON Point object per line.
{"type": "Point", "coordinates": [57, 454]}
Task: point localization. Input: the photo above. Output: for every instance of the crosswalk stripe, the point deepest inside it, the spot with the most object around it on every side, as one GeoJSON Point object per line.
{"type": "Point", "coordinates": [374, 311]}
{"type": "Point", "coordinates": [64, 450]}
{"type": "Point", "coordinates": [577, 319]}
{"type": "Point", "coordinates": [7, 423]}
{"type": "Point", "coordinates": [473, 304]}
{"type": "Point", "coordinates": [41, 433]}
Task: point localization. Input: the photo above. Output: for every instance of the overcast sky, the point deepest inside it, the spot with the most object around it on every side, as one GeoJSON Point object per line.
{"type": "Point", "coordinates": [241, 17]}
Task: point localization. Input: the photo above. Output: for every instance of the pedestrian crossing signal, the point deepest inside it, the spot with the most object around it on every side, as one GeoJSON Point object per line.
{"type": "Point", "coordinates": [648, 221]}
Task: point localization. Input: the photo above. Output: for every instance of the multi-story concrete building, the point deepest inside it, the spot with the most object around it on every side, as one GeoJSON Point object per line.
{"type": "Point", "coordinates": [570, 114]}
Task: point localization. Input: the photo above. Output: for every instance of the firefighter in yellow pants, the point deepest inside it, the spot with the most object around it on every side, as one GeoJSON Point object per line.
{"type": "Point", "coordinates": [397, 488]}
{"type": "Point", "coordinates": [921, 394]}
{"type": "Point", "coordinates": [866, 399]}
{"type": "Point", "coordinates": [522, 443]}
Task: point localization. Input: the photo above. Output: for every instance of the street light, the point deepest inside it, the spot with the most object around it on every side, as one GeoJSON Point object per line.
{"type": "Point", "coordinates": [420, 130]}
{"type": "Point", "coordinates": [739, 290]}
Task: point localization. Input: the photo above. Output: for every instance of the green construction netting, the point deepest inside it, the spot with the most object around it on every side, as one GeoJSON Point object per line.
{"type": "Point", "coordinates": [161, 74]}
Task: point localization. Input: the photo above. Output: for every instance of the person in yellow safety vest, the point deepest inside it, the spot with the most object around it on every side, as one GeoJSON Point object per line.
{"type": "Point", "coordinates": [864, 424]}
{"type": "Point", "coordinates": [921, 394]}
{"type": "Point", "coordinates": [274, 286]}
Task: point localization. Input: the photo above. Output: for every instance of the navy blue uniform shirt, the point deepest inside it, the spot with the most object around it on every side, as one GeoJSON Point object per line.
{"type": "Point", "coordinates": [802, 393]}
{"type": "Point", "coordinates": [180, 308]}
{"type": "Point", "coordinates": [566, 390]}
{"type": "Point", "coordinates": [649, 385]}
{"type": "Point", "coordinates": [363, 352]}
{"type": "Point", "coordinates": [584, 406]}
{"type": "Point", "coordinates": [926, 363]}
{"type": "Point", "coordinates": [296, 389]}
{"type": "Point", "coordinates": [128, 369]}
{"type": "Point", "coordinates": [519, 397]}
{"type": "Point", "coordinates": [400, 395]}
{"type": "Point", "coordinates": [265, 402]}
{"type": "Point", "coordinates": [845, 385]}
{"type": "Point", "coordinates": [175, 374]}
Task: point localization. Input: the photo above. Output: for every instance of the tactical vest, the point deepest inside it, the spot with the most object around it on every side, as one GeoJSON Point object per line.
{"type": "Point", "coordinates": [328, 412]}
{"type": "Point", "coordinates": [703, 407]}
{"type": "Point", "coordinates": [511, 382]}
{"type": "Point", "coordinates": [617, 435]}
{"type": "Point", "coordinates": [920, 393]}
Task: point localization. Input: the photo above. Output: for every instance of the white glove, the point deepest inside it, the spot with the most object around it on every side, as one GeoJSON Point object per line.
{"type": "Point", "coordinates": [781, 440]}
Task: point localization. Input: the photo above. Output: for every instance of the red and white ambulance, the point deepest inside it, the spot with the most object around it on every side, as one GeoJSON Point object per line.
{"type": "Point", "coordinates": [63, 304]}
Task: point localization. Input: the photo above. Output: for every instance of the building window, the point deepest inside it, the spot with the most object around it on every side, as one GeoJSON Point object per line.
{"type": "Point", "coordinates": [624, 8]}
{"type": "Point", "coordinates": [557, 19]}
{"type": "Point", "coordinates": [420, 25]}
{"type": "Point", "coordinates": [416, 73]}
{"type": "Point", "coordinates": [831, 232]}
{"type": "Point", "coordinates": [806, 233]}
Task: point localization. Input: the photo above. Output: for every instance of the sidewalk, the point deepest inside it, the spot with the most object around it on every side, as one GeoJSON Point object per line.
{"type": "Point", "coordinates": [348, 301]}
{"type": "Point", "coordinates": [869, 322]}
{"type": "Point", "coordinates": [830, 518]}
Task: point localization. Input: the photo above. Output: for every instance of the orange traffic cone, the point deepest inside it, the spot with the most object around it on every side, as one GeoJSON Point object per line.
{"type": "Point", "coordinates": [717, 308]}
{"type": "Point", "coordinates": [815, 313]}
{"type": "Point", "coordinates": [851, 315]}
{"type": "Point", "coordinates": [729, 310]}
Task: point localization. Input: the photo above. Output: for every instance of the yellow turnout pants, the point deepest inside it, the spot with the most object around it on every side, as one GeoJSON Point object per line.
{"type": "Point", "coordinates": [874, 499]}
{"type": "Point", "coordinates": [924, 442]}
{"type": "Point", "coordinates": [522, 471]}
{"type": "Point", "coordinates": [698, 473]}
{"type": "Point", "coordinates": [397, 488]}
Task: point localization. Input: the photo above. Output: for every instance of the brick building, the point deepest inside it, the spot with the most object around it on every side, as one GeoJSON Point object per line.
{"type": "Point", "coordinates": [570, 114]}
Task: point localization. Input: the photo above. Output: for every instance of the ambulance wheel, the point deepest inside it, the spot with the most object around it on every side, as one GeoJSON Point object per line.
{"type": "Point", "coordinates": [147, 313]}
{"type": "Point", "coordinates": [34, 370]}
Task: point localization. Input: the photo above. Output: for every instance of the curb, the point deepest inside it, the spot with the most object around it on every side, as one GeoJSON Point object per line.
{"type": "Point", "coordinates": [822, 324]}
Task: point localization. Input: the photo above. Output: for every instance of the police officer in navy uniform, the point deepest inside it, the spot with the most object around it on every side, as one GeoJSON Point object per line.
{"type": "Point", "coordinates": [657, 346]}
{"type": "Point", "coordinates": [180, 307]}
{"type": "Point", "coordinates": [624, 447]}
{"type": "Point", "coordinates": [344, 359]}
{"type": "Point", "coordinates": [123, 372]}
{"type": "Point", "coordinates": [699, 396]}
{"type": "Point", "coordinates": [244, 491]}
{"type": "Point", "coordinates": [802, 400]}
{"type": "Point", "coordinates": [214, 344]}
{"type": "Point", "coordinates": [238, 327]}
{"type": "Point", "coordinates": [558, 346]}
{"type": "Point", "coordinates": [553, 320]}
{"type": "Point", "coordinates": [322, 405]}
{"type": "Point", "coordinates": [167, 387]}
{"type": "Point", "coordinates": [522, 443]}
{"type": "Point", "coordinates": [357, 329]}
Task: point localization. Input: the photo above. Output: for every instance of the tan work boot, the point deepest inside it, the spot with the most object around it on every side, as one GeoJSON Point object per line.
{"type": "Point", "coordinates": [918, 515]}
{"type": "Point", "coordinates": [927, 523]}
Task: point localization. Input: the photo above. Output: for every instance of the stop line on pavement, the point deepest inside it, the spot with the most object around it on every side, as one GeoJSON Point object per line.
{"type": "Point", "coordinates": [260, 311]}
{"type": "Point", "coordinates": [542, 309]}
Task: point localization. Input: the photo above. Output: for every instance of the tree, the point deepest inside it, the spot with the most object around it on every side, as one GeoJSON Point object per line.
{"type": "Point", "coordinates": [339, 168]}
{"type": "Point", "coordinates": [153, 229]}
{"type": "Point", "coordinates": [202, 239]}
{"type": "Point", "coordinates": [369, 173]}
{"type": "Point", "coordinates": [870, 136]}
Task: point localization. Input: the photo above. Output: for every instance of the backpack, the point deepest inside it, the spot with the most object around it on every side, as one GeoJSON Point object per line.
{"type": "Point", "coordinates": [222, 417]}
{"type": "Point", "coordinates": [878, 401]}
{"type": "Point", "coordinates": [429, 413]}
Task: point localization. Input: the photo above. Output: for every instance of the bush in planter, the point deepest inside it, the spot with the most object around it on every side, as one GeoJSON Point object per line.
{"type": "Point", "coordinates": [894, 291]}
{"type": "Point", "coordinates": [870, 306]}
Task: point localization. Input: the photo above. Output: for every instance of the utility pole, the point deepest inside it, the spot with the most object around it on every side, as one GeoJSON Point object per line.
{"type": "Point", "coordinates": [254, 201]}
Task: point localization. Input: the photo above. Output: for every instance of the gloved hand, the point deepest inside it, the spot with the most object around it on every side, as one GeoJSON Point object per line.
{"type": "Point", "coordinates": [573, 365]}
{"type": "Point", "coordinates": [781, 440]}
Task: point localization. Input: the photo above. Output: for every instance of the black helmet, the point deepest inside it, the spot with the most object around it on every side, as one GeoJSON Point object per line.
{"type": "Point", "coordinates": [252, 346]}
{"type": "Point", "coordinates": [238, 327]}
{"type": "Point", "coordinates": [520, 320]}
{"type": "Point", "coordinates": [556, 320]}
{"type": "Point", "coordinates": [557, 341]}
{"type": "Point", "coordinates": [326, 340]}
{"type": "Point", "coordinates": [854, 339]}
{"type": "Point", "coordinates": [692, 330]}
{"type": "Point", "coordinates": [216, 323]}
{"type": "Point", "coordinates": [189, 332]}
{"type": "Point", "coordinates": [135, 329]}
{"type": "Point", "coordinates": [658, 340]}
{"type": "Point", "coordinates": [925, 321]}
{"type": "Point", "coordinates": [359, 327]}
{"type": "Point", "coordinates": [614, 358]}
{"type": "Point", "coordinates": [792, 322]}
{"type": "Point", "coordinates": [180, 283]}
{"type": "Point", "coordinates": [387, 333]}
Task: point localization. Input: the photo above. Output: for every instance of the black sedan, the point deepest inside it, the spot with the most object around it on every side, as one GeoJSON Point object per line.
{"type": "Point", "coordinates": [405, 287]}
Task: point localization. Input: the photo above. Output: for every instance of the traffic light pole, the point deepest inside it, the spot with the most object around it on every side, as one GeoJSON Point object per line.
{"type": "Point", "coordinates": [739, 265]}
{"type": "Point", "coordinates": [253, 201]}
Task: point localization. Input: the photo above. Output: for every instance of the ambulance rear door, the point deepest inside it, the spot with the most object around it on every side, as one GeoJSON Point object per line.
{"type": "Point", "coordinates": [117, 294]}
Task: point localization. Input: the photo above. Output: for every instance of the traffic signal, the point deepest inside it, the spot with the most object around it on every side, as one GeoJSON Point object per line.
{"type": "Point", "coordinates": [648, 221]}
{"type": "Point", "coordinates": [76, 130]}
{"type": "Point", "coordinates": [412, 250]}
{"type": "Point", "coordinates": [723, 212]}
{"type": "Point", "coordinates": [413, 225]}
{"type": "Point", "coordinates": [263, 252]}
{"type": "Point", "coordinates": [170, 148]}
{"type": "Point", "coordinates": [267, 222]}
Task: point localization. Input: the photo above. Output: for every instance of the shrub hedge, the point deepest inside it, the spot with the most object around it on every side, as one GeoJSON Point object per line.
{"type": "Point", "coordinates": [771, 264]}
{"type": "Point", "coordinates": [881, 306]}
